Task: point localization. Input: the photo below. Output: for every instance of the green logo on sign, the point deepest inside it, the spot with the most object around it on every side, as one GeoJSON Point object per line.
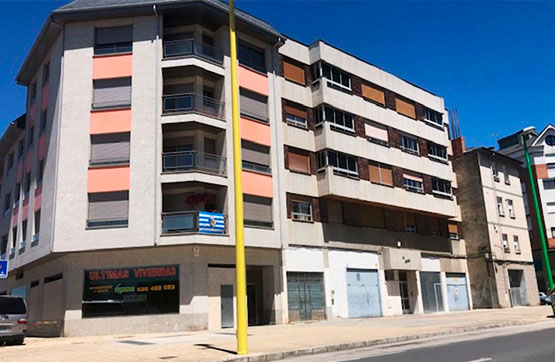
{"type": "Point", "coordinates": [119, 289]}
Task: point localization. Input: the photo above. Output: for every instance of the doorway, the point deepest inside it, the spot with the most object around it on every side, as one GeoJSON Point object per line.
{"type": "Point", "coordinates": [226, 293]}
{"type": "Point", "coordinates": [432, 297]}
{"type": "Point", "coordinates": [404, 292]}
{"type": "Point", "coordinates": [305, 294]}
{"type": "Point", "coordinates": [363, 293]}
{"type": "Point", "coordinates": [517, 288]}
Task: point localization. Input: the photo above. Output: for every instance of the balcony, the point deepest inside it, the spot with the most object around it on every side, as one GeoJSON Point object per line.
{"type": "Point", "coordinates": [186, 47]}
{"type": "Point", "coordinates": [190, 102]}
{"type": "Point", "coordinates": [193, 160]}
{"type": "Point", "coordinates": [201, 222]}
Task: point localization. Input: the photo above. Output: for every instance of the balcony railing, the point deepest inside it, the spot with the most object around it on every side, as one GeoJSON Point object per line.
{"type": "Point", "coordinates": [193, 160]}
{"type": "Point", "coordinates": [178, 48]}
{"type": "Point", "coordinates": [190, 102]}
{"type": "Point", "coordinates": [202, 222]}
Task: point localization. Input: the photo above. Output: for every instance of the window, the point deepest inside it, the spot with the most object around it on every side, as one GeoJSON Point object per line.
{"type": "Point", "coordinates": [548, 183]}
{"type": "Point", "coordinates": [23, 234]}
{"type": "Point", "coordinates": [27, 184]}
{"type": "Point", "coordinates": [510, 208]}
{"type": "Point", "coordinates": [20, 149]}
{"type": "Point", "coordinates": [516, 244]}
{"type": "Point", "coordinates": [410, 223]}
{"type": "Point", "coordinates": [409, 144]}
{"type": "Point", "coordinates": [437, 151]}
{"type": "Point", "coordinates": [16, 193]}
{"type": "Point", "coordinates": [108, 209]}
{"type": "Point", "coordinates": [433, 116]}
{"type": "Point", "coordinates": [405, 107]}
{"type": "Point", "coordinates": [40, 174]}
{"type": "Point", "coordinates": [298, 160]}
{"type": "Point", "coordinates": [335, 76]}
{"type": "Point", "coordinates": [453, 231]}
{"type": "Point", "coordinates": [37, 226]}
{"type": "Point", "coordinates": [301, 210]}
{"type": "Point", "coordinates": [413, 184]}
{"type": "Point", "coordinates": [258, 211]}
{"type": "Point", "coordinates": [506, 176]}
{"type": "Point", "coordinates": [14, 239]}
{"type": "Point", "coordinates": [31, 136]}
{"type": "Point", "coordinates": [381, 173]}
{"type": "Point", "coordinates": [373, 94]}
{"type": "Point", "coordinates": [441, 187]}
{"type": "Point", "coordinates": [500, 206]}
{"type": "Point", "coordinates": [255, 157]}
{"type": "Point", "coordinates": [550, 140]}
{"type": "Point", "coordinates": [341, 163]}
{"type": "Point", "coordinates": [495, 171]}
{"type": "Point", "coordinates": [551, 207]}
{"type": "Point", "coordinates": [252, 57]}
{"type": "Point", "coordinates": [114, 40]}
{"type": "Point", "coordinates": [253, 105]}
{"type": "Point", "coordinates": [33, 91]}
{"type": "Point", "coordinates": [293, 71]}
{"type": "Point", "coordinates": [45, 74]}
{"type": "Point", "coordinates": [376, 133]}
{"type": "Point", "coordinates": [3, 247]}
{"type": "Point", "coordinates": [552, 233]}
{"type": "Point", "coordinates": [112, 93]}
{"type": "Point", "coordinates": [505, 239]}
{"type": "Point", "coordinates": [7, 204]}
{"type": "Point", "coordinates": [145, 290]}
{"type": "Point", "coordinates": [389, 275]}
{"type": "Point", "coordinates": [43, 121]}
{"type": "Point", "coordinates": [343, 121]}
{"type": "Point", "coordinates": [110, 148]}
{"type": "Point", "coordinates": [296, 116]}
{"type": "Point", "coordinates": [10, 161]}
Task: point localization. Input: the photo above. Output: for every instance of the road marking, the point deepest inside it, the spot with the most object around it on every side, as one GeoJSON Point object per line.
{"type": "Point", "coordinates": [484, 359]}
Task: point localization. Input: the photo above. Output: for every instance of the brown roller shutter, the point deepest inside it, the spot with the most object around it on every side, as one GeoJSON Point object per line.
{"type": "Point", "coordinates": [374, 172]}
{"type": "Point", "coordinates": [257, 209]}
{"type": "Point", "coordinates": [293, 72]}
{"type": "Point", "coordinates": [373, 217]}
{"type": "Point", "coordinates": [373, 94]}
{"type": "Point", "coordinates": [296, 112]}
{"type": "Point", "coordinates": [255, 153]}
{"type": "Point", "coordinates": [404, 107]}
{"type": "Point", "coordinates": [108, 206]}
{"type": "Point", "coordinates": [110, 147]}
{"type": "Point", "coordinates": [299, 162]}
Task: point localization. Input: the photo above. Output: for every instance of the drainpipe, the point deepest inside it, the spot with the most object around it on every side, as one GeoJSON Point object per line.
{"type": "Point", "coordinates": [157, 215]}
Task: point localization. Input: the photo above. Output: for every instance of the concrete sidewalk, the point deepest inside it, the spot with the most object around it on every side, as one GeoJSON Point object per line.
{"type": "Point", "coordinates": [269, 342]}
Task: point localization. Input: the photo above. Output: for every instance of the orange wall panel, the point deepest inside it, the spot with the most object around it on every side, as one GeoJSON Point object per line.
{"type": "Point", "coordinates": [106, 179]}
{"type": "Point", "coordinates": [253, 81]}
{"type": "Point", "coordinates": [32, 114]}
{"type": "Point", "coordinates": [113, 121]}
{"type": "Point", "coordinates": [256, 132]}
{"type": "Point", "coordinates": [257, 184]}
{"type": "Point", "coordinates": [113, 66]}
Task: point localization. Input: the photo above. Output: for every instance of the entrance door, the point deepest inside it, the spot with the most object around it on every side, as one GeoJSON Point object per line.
{"type": "Point", "coordinates": [404, 292]}
{"type": "Point", "coordinates": [363, 293]}
{"type": "Point", "coordinates": [226, 293]}
{"type": "Point", "coordinates": [251, 305]}
{"type": "Point", "coordinates": [305, 294]}
{"type": "Point", "coordinates": [457, 294]}
{"type": "Point", "coordinates": [518, 288]}
{"type": "Point", "coordinates": [432, 297]}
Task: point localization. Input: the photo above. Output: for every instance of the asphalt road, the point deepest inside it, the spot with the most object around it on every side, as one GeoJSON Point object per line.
{"type": "Point", "coordinates": [515, 344]}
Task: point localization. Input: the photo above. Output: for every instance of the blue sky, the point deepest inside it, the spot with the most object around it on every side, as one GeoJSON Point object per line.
{"type": "Point", "coordinates": [493, 61]}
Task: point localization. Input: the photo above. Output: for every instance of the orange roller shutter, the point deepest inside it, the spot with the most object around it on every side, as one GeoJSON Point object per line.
{"type": "Point", "coordinates": [374, 172]}
{"type": "Point", "coordinates": [295, 112]}
{"type": "Point", "coordinates": [373, 93]}
{"type": "Point", "coordinates": [453, 228]}
{"type": "Point", "coordinates": [298, 162]}
{"type": "Point", "coordinates": [293, 72]}
{"type": "Point", "coordinates": [386, 175]}
{"type": "Point", "coordinates": [405, 108]}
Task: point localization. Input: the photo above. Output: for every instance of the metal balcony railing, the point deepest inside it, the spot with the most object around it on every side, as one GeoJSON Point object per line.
{"type": "Point", "coordinates": [193, 221]}
{"type": "Point", "coordinates": [193, 160]}
{"type": "Point", "coordinates": [190, 102]}
{"type": "Point", "coordinates": [184, 47]}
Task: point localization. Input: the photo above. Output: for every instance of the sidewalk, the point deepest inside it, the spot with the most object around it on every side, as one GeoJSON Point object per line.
{"type": "Point", "coordinates": [268, 342]}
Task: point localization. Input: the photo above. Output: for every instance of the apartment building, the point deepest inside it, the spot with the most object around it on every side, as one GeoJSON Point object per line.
{"type": "Point", "coordinates": [541, 148]}
{"type": "Point", "coordinates": [347, 179]}
{"type": "Point", "coordinates": [498, 246]}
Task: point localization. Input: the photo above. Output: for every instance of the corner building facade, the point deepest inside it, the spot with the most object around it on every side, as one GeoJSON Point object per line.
{"type": "Point", "coordinates": [117, 185]}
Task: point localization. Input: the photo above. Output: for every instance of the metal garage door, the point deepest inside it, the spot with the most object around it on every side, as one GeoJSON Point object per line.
{"type": "Point", "coordinates": [305, 294]}
{"type": "Point", "coordinates": [363, 293]}
{"type": "Point", "coordinates": [457, 294]}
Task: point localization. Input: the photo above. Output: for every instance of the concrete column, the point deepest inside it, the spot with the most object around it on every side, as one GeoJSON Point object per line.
{"type": "Point", "coordinates": [445, 299]}
{"type": "Point", "coordinates": [419, 309]}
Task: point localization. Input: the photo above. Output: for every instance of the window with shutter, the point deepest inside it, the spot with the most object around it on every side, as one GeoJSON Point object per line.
{"type": "Point", "coordinates": [110, 149]}
{"type": "Point", "coordinates": [453, 231]}
{"type": "Point", "coordinates": [252, 57]}
{"type": "Point", "coordinates": [373, 93]}
{"type": "Point", "coordinates": [113, 40]}
{"type": "Point", "coordinates": [298, 161]}
{"type": "Point", "coordinates": [112, 93]}
{"type": "Point", "coordinates": [405, 107]}
{"type": "Point", "coordinates": [257, 211]}
{"type": "Point", "coordinates": [253, 105]}
{"type": "Point", "coordinates": [376, 133]}
{"type": "Point", "coordinates": [255, 157]}
{"type": "Point", "coordinates": [380, 173]}
{"type": "Point", "coordinates": [108, 209]}
{"type": "Point", "coordinates": [293, 72]}
{"type": "Point", "coordinates": [296, 116]}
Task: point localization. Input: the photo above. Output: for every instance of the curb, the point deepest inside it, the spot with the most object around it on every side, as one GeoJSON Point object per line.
{"type": "Point", "coordinates": [275, 356]}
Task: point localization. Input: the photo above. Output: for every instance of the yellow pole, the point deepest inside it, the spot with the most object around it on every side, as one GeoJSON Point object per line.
{"type": "Point", "coordinates": [240, 272]}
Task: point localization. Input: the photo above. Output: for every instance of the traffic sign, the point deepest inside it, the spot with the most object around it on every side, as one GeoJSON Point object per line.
{"type": "Point", "coordinates": [3, 269]}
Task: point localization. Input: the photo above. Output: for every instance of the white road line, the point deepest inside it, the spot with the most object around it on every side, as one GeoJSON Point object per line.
{"type": "Point", "coordinates": [484, 359]}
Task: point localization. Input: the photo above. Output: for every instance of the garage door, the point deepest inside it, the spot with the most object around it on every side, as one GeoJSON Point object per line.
{"type": "Point", "coordinates": [457, 294]}
{"type": "Point", "coordinates": [363, 293]}
{"type": "Point", "coordinates": [305, 294]}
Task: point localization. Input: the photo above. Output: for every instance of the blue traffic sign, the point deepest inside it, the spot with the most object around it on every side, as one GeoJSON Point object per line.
{"type": "Point", "coordinates": [3, 269]}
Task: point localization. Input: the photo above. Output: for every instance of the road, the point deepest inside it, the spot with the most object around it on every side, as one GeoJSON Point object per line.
{"type": "Point", "coordinates": [513, 344]}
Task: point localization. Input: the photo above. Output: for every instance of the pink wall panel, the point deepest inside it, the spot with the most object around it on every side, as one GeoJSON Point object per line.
{"type": "Point", "coordinates": [113, 121]}
{"type": "Point", "coordinates": [38, 198]}
{"type": "Point", "coordinates": [25, 210]}
{"type": "Point", "coordinates": [256, 132]}
{"type": "Point", "coordinates": [19, 173]}
{"type": "Point", "coordinates": [32, 114]}
{"type": "Point", "coordinates": [44, 98]}
{"type": "Point", "coordinates": [29, 160]}
{"type": "Point", "coordinates": [43, 143]}
{"type": "Point", "coordinates": [253, 81]}
{"type": "Point", "coordinates": [112, 66]}
{"type": "Point", "coordinates": [257, 184]}
{"type": "Point", "coordinates": [106, 179]}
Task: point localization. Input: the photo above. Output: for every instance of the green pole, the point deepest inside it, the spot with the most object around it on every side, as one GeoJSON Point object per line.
{"type": "Point", "coordinates": [538, 216]}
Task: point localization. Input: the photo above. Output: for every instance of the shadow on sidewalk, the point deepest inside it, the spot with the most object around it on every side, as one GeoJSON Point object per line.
{"type": "Point", "coordinates": [210, 346]}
